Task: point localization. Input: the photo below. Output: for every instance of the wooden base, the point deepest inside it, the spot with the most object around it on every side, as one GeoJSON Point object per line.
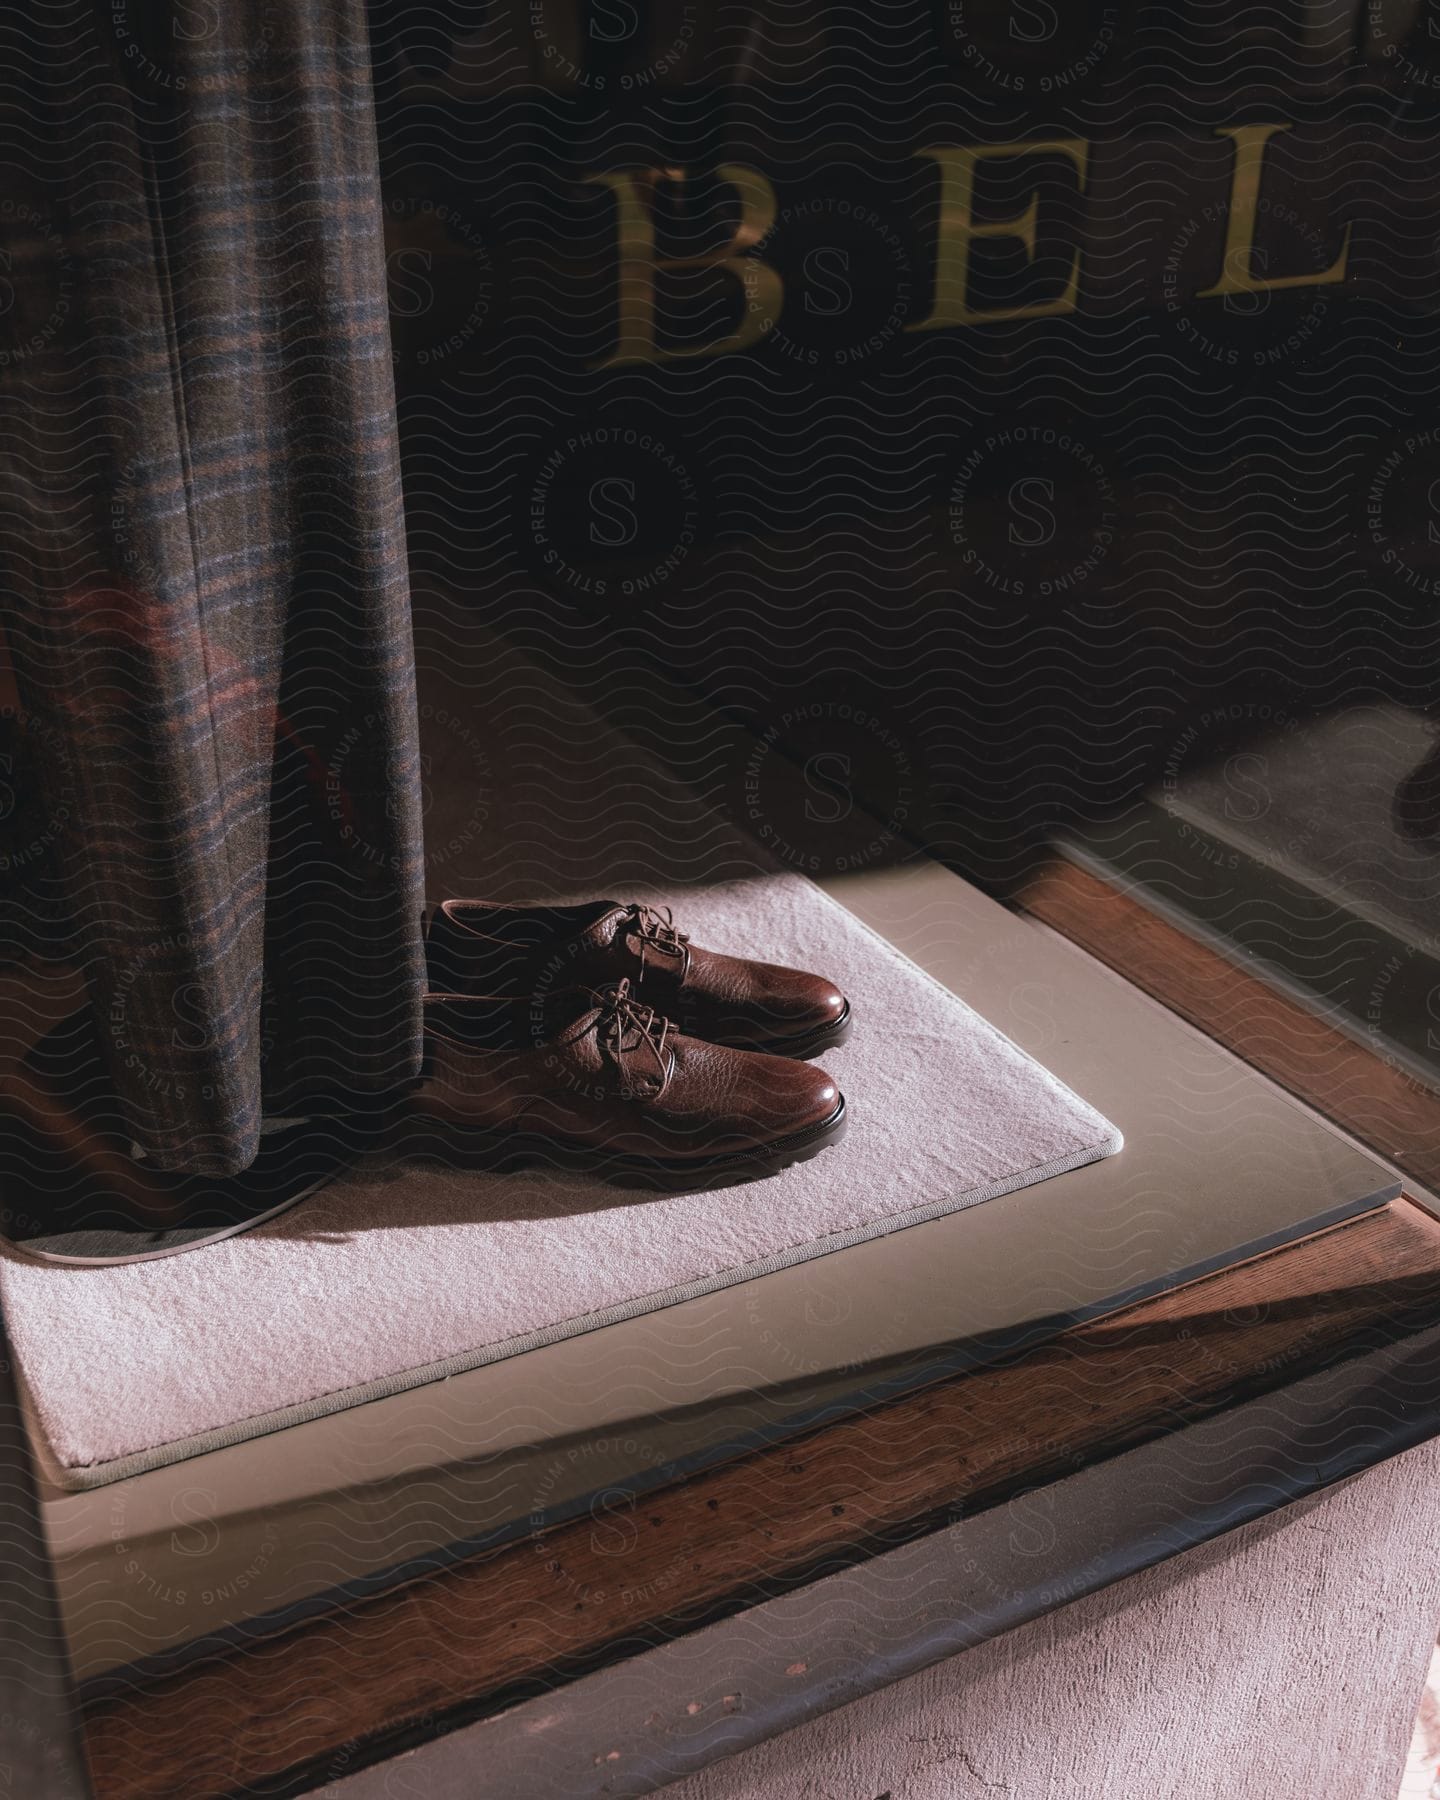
{"type": "Point", "coordinates": [1386, 1108]}
{"type": "Point", "coordinates": [341, 1689]}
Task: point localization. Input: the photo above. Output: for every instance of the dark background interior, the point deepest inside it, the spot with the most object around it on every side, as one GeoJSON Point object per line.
{"type": "Point", "coordinates": [986, 640]}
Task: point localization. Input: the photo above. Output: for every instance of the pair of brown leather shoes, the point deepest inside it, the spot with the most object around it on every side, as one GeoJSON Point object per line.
{"type": "Point", "coordinates": [599, 1036]}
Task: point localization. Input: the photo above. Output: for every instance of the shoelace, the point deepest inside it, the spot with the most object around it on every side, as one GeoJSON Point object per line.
{"type": "Point", "coordinates": [623, 1018]}
{"type": "Point", "coordinates": [657, 930]}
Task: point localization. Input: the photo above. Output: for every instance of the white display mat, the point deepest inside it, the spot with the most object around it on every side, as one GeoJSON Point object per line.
{"type": "Point", "coordinates": [407, 1272]}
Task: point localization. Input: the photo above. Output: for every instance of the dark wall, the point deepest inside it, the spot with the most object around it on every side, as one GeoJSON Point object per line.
{"type": "Point", "coordinates": [986, 521]}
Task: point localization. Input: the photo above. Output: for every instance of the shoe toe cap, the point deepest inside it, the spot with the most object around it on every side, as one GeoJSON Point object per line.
{"type": "Point", "coordinates": [810, 1100]}
{"type": "Point", "coordinates": [800, 1005]}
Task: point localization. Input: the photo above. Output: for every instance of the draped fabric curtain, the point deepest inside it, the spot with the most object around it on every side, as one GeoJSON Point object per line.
{"type": "Point", "coordinates": [204, 570]}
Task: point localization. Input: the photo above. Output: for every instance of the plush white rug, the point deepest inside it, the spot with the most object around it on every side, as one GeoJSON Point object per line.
{"type": "Point", "coordinates": [404, 1273]}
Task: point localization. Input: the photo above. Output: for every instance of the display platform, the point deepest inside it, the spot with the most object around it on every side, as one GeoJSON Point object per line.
{"type": "Point", "coordinates": [530, 793]}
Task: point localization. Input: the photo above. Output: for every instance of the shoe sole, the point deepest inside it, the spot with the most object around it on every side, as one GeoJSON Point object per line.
{"type": "Point", "coordinates": [801, 1048]}
{"type": "Point", "coordinates": [503, 1151]}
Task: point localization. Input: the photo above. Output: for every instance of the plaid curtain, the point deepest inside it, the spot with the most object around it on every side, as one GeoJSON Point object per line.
{"type": "Point", "coordinates": [205, 581]}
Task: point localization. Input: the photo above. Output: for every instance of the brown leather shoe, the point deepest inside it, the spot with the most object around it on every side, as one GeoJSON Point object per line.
{"type": "Point", "coordinates": [603, 1083]}
{"type": "Point", "coordinates": [476, 948]}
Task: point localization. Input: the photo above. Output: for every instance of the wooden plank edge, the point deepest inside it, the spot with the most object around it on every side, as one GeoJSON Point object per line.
{"type": "Point", "coordinates": [453, 1643]}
